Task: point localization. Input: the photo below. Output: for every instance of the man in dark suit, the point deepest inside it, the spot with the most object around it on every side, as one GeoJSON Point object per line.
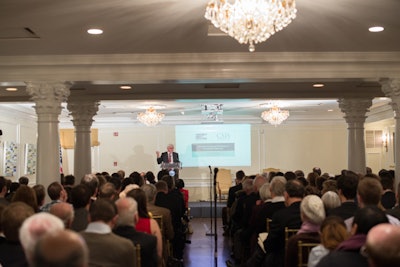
{"type": "Point", "coordinates": [226, 211]}
{"type": "Point", "coordinates": [347, 188]}
{"type": "Point", "coordinates": [289, 217]}
{"type": "Point", "coordinates": [125, 227]}
{"type": "Point", "coordinates": [169, 157]}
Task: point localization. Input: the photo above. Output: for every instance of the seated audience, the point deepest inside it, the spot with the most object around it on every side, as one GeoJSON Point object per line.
{"type": "Point", "coordinates": [80, 198]}
{"type": "Point", "coordinates": [3, 191]}
{"type": "Point", "coordinates": [331, 200]}
{"type": "Point", "coordinates": [93, 183]}
{"type": "Point", "coordinates": [383, 246]}
{"type": "Point", "coordinates": [108, 190]}
{"type": "Point", "coordinates": [388, 199]}
{"type": "Point", "coordinates": [347, 254]}
{"type": "Point", "coordinates": [395, 212]}
{"type": "Point", "coordinates": [56, 193]}
{"type": "Point", "coordinates": [347, 190]}
{"type": "Point", "coordinates": [40, 192]}
{"type": "Point", "coordinates": [23, 180]}
{"type": "Point", "coordinates": [27, 195]}
{"type": "Point", "coordinates": [61, 248]}
{"type": "Point", "coordinates": [312, 214]}
{"type": "Point", "coordinates": [332, 232]}
{"type": "Point", "coordinates": [125, 227]}
{"type": "Point", "coordinates": [106, 248]}
{"type": "Point", "coordinates": [64, 211]}
{"type": "Point", "coordinates": [11, 250]}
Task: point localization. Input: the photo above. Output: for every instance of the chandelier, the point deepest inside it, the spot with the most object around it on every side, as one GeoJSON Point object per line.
{"type": "Point", "coordinates": [151, 117]}
{"type": "Point", "coordinates": [251, 21]}
{"type": "Point", "coordinates": [275, 115]}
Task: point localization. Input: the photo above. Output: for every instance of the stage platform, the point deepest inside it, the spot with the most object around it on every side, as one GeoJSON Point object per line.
{"type": "Point", "coordinates": [203, 209]}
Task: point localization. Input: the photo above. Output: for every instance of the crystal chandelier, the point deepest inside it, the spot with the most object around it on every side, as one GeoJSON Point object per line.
{"type": "Point", "coordinates": [275, 115]}
{"type": "Point", "coordinates": [151, 117]}
{"type": "Point", "coordinates": [251, 21]}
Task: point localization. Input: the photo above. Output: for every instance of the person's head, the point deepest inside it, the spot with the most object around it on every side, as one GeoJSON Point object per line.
{"type": "Point", "coordinates": [294, 190]}
{"type": "Point", "coordinates": [383, 245]}
{"type": "Point", "coordinates": [64, 211]}
{"type": "Point", "coordinates": [27, 195]}
{"type": "Point", "coordinates": [299, 173]}
{"type": "Point", "coordinates": [248, 186]}
{"type": "Point", "coordinates": [170, 148]}
{"type": "Point", "coordinates": [40, 192]}
{"type": "Point", "coordinates": [312, 178]}
{"type": "Point", "coordinates": [329, 185]}
{"type": "Point", "coordinates": [277, 186]}
{"type": "Point", "coordinates": [91, 181]}
{"type": "Point", "coordinates": [121, 174]}
{"type": "Point", "coordinates": [180, 184]}
{"type": "Point", "coordinates": [80, 196]}
{"type": "Point", "coordinates": [128, 188]}
{"type": "Point", "coordinates": [333, 231]}
{"type": "Point", "coordinates": [140, 197]}
{"type": "Point", "coordinates": [127, 211]}
{"type": "Point", "coordinates": [331, 200]}
{"type": "Point", "coordinates": [35, 227]}
{"type": "Point", "coordinates": [69, 180]}
{"type": "Point", "coordinates": [3, 186]}
{"type": "Point", "coordinates": [161, 186]}
{"type": "Point", "coordinates": [12, 218]}
{"type": "Point", "coordinates": [347, 186]}
{"type": "Point", "coordinates": [367, 217]}
{"type": "Point", "coordinates": [56, 191]}
{"type": "Point", "coordinates": [369, 192]}
{"type": "Point", "coordinates": [107, 190]}
{"type": "Point", "coordinates": [103, 210]}
{"type": "Point", "coordinates": [117, 182]}
{"type": "Point", "coordinates": [312, 209]}
{"type": "Point", "coordinates": [150, 190]}
{"type": "Point", "coordinates": [150, 177]}
{"type": "Point", "coordinates": [289, 175]}
{"type": "Point", "coordinates": [258, 181]}
{"type": "Point", "coordinates": [317, 170]}
{"type": "Point", "coordinates": [265, 192]}
{"type": "Point", "coordinates": [23, 180]}
{"type": "Point", "coordinates": [240, 175]}
{"type": "Point", "coordinates": [63, 248]}
{"type": "Point", "coordinates": [387, 180]}
{"type": "Point", "coordinates": [170, 181]}
{"type": "Point", "coordinates": [137, 178]}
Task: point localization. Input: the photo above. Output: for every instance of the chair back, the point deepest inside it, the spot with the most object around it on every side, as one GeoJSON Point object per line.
{"type": "Point", "coordinates": [138, 256]}
{"type": "Point", "coordinates": [224, 182]}
{"type": "Point", "coordinates": [267, 223]}
{"type": "Point", "coordinates": [303, 251]}
{"type": "Point", "coordinates": [288, 233]}
{"type": "Point", "coordinates": [159, 220]}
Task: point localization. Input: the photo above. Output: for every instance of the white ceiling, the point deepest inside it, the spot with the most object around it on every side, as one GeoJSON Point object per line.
{"type": "Point", "coordinates": [161, 48]}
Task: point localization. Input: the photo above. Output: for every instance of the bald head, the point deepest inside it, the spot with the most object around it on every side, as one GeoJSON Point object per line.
{"type": "Point", "coordinates": [61, 248]}
{"type": "Point", "coordinates": [383, 245]}
{"type": "Point", "coordinates": [64, 211]}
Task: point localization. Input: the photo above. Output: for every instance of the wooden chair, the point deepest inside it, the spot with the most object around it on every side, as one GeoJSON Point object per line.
{"type": "Point", "coordinates": [159, 220]}
{"type": "Point", "coordinates": [268, 221]}
{"type": "Point", "coordinates": [224, 182]}
{"type": "Point", "coordinates": [166, 243]}
{"type": "Point", "coordinates": [288, 233]}
{"type": "Point", "coordinates": [138, 256]}
{"type": "Point", "coordinates": [303, 250]}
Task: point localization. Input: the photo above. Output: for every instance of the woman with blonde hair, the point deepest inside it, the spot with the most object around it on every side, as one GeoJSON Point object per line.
{"type": "Point", "coordinates": [332, 232]}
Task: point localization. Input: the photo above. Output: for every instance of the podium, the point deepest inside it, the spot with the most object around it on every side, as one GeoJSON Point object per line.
{"type": "Point", "coordinates": [172, 166]}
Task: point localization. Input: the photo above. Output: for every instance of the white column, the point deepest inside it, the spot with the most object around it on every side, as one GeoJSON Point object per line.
{"type": "Point", "coordinates": [82, 113]}
{"type": "Point", "coordinates": [48, 97]}
{"type": "Point", "coordinates": [391, 88]}
{"type": "Point", "coordinates": [355, 110]}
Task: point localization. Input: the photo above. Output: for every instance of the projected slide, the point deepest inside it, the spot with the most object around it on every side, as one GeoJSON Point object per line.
{"type": "Point", "coordinates": [213, 145]}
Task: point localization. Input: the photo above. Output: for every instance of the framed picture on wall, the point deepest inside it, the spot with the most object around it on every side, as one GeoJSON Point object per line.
{"type": "Point", "coordinates": [10, 158]}
{"type": "Point", "coordinates": [30, 159]}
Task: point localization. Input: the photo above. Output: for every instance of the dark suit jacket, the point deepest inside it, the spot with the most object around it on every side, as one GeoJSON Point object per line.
{"type": "Point", "coordinates": [164, 157]}
{"type": "Point", "coordinates": [148, 244]}
{"type": "Point", "coordinates": [291, 255]}
{"type": "Point", "coordinates": [12, 254]}
{"type": "Point", "coordinates": [345, 211]}
{"type": "Point", "coordinates": [232, 195]}
{"type": "Point", "coordinates": [275, 243]}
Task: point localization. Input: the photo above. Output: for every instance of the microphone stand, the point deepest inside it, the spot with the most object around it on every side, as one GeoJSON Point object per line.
{"type": "Point", "coordinates": [210, 233]}
{"type": "Point", "coordinates": [215, 217]}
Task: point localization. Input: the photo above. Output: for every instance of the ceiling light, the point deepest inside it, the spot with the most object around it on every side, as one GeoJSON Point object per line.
{"type": "Point", "coordinates": [151, 117]}
{"type": "Point", "coordinates": [318, 85]}
{"type": "Point", "coordinates": [376, 29]}
{"type": "Point", "coordinates": [330, 110]}
{"type": "Point", "coordinates": [125, 87]}
{"type": "Point", "coordinates": [95, 31]}
{"type": "Point", "coordinates": [251, 21]}
{"type": "Point", "coordinates": [11, 89]}
{"type": "Point", "coordinates": [275, 115]}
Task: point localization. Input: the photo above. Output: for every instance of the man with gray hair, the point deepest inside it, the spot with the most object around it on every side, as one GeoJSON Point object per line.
{"type": "Point", "coordinates": [125, 227]}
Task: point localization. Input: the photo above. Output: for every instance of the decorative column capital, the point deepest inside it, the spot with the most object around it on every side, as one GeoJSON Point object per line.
{"type": "Point", "coordinates": [82, 111]}
{"type": "Point", "coordinates": [391, 88]}
{"type": "Point", "coordinates": [48, 96]}
{"type": "Point", "coordinates": [355, 109]}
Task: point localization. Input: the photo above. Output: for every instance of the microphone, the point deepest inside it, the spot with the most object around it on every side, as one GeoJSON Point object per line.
{"type": "Point", "coordinates": [210, 168]}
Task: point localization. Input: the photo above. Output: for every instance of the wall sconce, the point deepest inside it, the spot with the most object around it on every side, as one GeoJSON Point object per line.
{"type": "Point", "coordinates": [385, 141]}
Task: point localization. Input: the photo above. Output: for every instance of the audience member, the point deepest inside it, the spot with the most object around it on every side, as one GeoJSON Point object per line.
{"type": "Point", "coordinates": [108, 190]}
{"type": "Point", "coordinates": [35, 227]}
{"type": "Point", "coordinates": [332, 232]}
{"type": "Point", "coordinates": [68, 183]}
{"type": "Point", "coordinates": [331, 200]}
{"type": "Point", "coordinates": [125, 227]}
{"type": "Point", "coordinates": [347, 189]}
{"type": "Point", "coordinates": [3, 191]}
{"type": "Point", "coordinates": [312, 214]}
{"type": "Point", "coordinates": [40, 192]}
{"type": "Point", "coordinates": [11, 251]}
{"type": "Point", "coordinates": [64, 211]}
{"type": "Point", "coordinates": [23, 180]}
{"type": "Point", "coordinates": [347, 254]}
{"type": "Point", "coordinates": [27, 195]}
{"type": "Point", "coordinates": [56, 193]}
{"type": "Point", "coordinates": [150, 177]}
{"type": "Point", "coordinates": [106, 248]}
{"type": "Point", "coordinates": [13, 188]}
{"type": "Point", "coordinates": [329, 185]}
{"type": "Point", "coordinates": [388, 199]}
{"type": "Point", "coordinates": [383, 246]}
{"type": "Point", "coordinates": [80, 198]}
{"type": "Point", "coordinates": [121, 174]}
{"type": "Point", "coordinates": [92, 182]}
{"type": "Point", "coordinates": [226, 220]}
{"type": "Point", "coordinates": [63, 248]}
{"type": "Point", "coordinates": [395, 212]}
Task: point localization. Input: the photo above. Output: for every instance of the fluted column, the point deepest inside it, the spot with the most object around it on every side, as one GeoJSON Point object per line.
{"type": "Point", "coordinates": [391, 88]}
{"type": "Point", "coordinates": [82, 117]}
{"type": "Point", "coordinates": [355, 110]}
{"type": "Point", "coordinates": [48, 97]}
